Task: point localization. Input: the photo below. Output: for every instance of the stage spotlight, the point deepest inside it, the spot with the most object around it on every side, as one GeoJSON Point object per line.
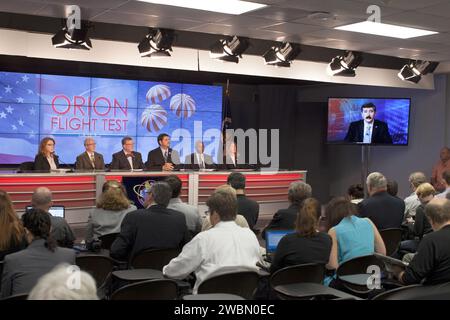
{"type": "Point", "coordinates": [73, 38]}
{"type": "Point", "coordinates": [414, 71]}
{"type": "Point", "coordinates": [282, 55]}
{"type": "Point", "coordinates": [157, 43]}
{"type": "Point", "coordinates": [345, 64]}
{"type": "Point", "coordinates": [229, 49]}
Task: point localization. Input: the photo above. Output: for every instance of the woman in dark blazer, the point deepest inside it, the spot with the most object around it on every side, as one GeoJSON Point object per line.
{"type": "Point", "coordinates": [46, 159]}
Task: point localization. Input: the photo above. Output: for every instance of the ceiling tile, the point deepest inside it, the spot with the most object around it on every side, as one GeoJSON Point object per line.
{"type": "Point", "coordinates": [418, 20]}
{"type": "Point", "coordinates": [403, 4]}
{"type": "Point", "coordinates": [278, 14]}
{"type": "Point", "coordinates": [247, 22]}
{"type": "Point", "coordinates": [442, 10]}
{"type": "Point", "coordinates": [292, 28]}
{"type": "Point", "coordinates": [24, 7]}
{"type": "Point", "coordinates": [334, 21]}
{"type": "Point", "coordinates": [131, 19]}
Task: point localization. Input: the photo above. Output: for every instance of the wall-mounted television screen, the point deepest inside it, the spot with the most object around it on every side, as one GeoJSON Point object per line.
{"type": "Point", "coordinates": [368, 121]}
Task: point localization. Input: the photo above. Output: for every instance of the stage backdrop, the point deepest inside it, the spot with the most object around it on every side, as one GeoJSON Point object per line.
{"type": "Point", "coordinates": [68, 108]}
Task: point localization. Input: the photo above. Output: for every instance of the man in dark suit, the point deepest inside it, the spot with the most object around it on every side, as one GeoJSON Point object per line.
{"type": "Point", "coordinates": [153, 228]}
{"type": "Point", "coordinates": [284, 219]}
{"type": "Point", "coordinates": [247, 207]}
{"type": "Point", "coordinates": [127, 159]}
{"type": "Point", "coordinates": [90, 160]}
{"type": "Point", "coordinates": [198, 159]}
{"type": "Point", "coordinates": [368, 130]}
{"type": "Point", "coordinates": [384, 210]}
{"type": "Point", "coordinates": [163, 158]}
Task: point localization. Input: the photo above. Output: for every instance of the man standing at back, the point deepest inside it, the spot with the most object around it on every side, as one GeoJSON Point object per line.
{"type": "Point", "coordinates": [247, 207]}
{"type": "Point", "coordinates": [384, 210]}
{"type": "Point", "coordinates": [155, 227]}
{"type": "Point", "coordinates": [60, 231]}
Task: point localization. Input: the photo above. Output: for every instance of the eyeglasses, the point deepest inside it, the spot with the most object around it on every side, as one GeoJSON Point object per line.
{"type": "Point", "coordinates": [91, 144]}
{"type": "Point", "coordinates": [50, 144]}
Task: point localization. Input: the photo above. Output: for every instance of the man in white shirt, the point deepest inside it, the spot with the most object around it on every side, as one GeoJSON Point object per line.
{"type": "Point", "coordinates": [225, 245]}
{"type": "Point", "coordinates": [412, 201]}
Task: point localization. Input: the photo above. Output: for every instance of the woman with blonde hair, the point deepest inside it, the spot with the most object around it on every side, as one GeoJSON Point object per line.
{"type": "Point", "coordinates": [112, 206]}
{"type": "Point", "coordinates": [12, 233]}
{"type": "Point", "coordinates": [306, 244]}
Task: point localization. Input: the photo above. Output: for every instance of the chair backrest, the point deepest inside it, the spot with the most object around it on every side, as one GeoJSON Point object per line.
{"type": "Point", "coordinates": [358, 265]}
{"type": "Point", "coordinates": [240, 283]}
{"type": "Point", "coordinates": [22, 296]}
{"type": "Point", "coordinates": [98, 266]}
{"type": "Point", "coordinates": [1, 272]}
{"type": "Point", "coordinates": [417, 292]}
{"type": "Point", "coordinates": [107, 240]}
{"type": "Point", "coordinates": [310, 272]}
{"type": "Point", "coordinates": [147, 290]}
{"type": "Point", "coordinates": [153, 258]}
{"type": "Point", "coordinates": [397, 293]}
{"type": "Point", "coordinates": [26, 166]}
{"type": "Point", "coordinates": [392, 238]}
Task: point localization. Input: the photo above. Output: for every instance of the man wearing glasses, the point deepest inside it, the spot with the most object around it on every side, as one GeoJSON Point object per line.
{"type": "Point", "coordinates": [90, 160]}
{"type": "Point", "coordinates": [127, 159]}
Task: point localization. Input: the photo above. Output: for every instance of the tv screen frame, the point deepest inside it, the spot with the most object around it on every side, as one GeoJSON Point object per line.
{"type": "Point", "coordinates": [343, 142]}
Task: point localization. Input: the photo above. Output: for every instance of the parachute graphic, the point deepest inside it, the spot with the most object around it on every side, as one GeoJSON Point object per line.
{"type": "Point", "coordinates": [158, 93]}
{"type": "Point", "coordinates": [154, 118]}
{"type": "Point", "coordinates": [183, 105]}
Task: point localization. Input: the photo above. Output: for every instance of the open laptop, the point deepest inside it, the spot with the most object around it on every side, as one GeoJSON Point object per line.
{"type": "Point", "coordinates": [273, 237]}
{"type": "Point", "coordinates": [56, 211]}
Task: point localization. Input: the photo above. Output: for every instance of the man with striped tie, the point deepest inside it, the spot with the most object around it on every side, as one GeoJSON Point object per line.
{"type": "Point", "coordinates": [90, 160]}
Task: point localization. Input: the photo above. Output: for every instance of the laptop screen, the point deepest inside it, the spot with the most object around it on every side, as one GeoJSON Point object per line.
{"type": "Point", "coordinates": [56, 211]}
{"type": "Point", "coordinates": [273, 237]}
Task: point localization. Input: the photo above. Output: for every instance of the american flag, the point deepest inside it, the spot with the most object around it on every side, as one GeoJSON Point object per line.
{"type": "Point", "coordinates": [19, 116]}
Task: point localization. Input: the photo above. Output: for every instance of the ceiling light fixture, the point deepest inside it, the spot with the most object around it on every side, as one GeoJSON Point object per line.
{"type": "Point", "coordinates": [414, 71]}
{"type": "Point", "coordinates": [345, 65]}
{"type": "Point", "coordinates": [229, 49]}
{"type": "Point", "coordinates": [282, 55]}
{"type": "Point", "coordinates": [157, 43]}
{"type": "Point", "coordinates": [73, 38]}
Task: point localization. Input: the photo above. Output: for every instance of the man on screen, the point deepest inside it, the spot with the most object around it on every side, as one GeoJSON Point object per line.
{"type": "Point", "coordinates": [127, 159]}
{"type": "Point", "coordinates": [368, 130]}
{"type": "Point", "coordinates": [163, 158]}
{"type": "Point", "coordinates": [90, 160]}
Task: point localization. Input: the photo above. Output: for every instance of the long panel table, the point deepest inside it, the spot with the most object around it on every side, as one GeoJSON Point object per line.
{"type": "Point", "coordinates": [78, 191]}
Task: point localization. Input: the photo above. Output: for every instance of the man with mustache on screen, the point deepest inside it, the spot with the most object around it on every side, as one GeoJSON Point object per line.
{"type": "Point", "coordinates": [368, 130]}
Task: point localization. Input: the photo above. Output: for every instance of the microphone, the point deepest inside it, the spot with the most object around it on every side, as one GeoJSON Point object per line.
{"type": "Point", "coordinates": [63, 163]}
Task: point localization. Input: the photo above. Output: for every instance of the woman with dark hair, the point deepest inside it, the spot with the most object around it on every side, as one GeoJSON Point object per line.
{"type": "Point", "coordinates": [12, 233]}
{"type": "Point", "coordinates": [46, 159]}
{"type": "Point", "coordinates": [352, 236]}
{"type": "Point", "coordinates": [306, 244]}
{"type": "Point", "coordinates": [22, 269]}
{"type": "Point", "coordinates": [112, 206]}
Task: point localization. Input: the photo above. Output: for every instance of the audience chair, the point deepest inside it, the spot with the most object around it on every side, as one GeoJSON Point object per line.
{"type": "Point", "coordinates": [107, 240]}
{"type": "Point", "coordinates": [392, 238]}
{"type": "Point", "coordinates": [1, 273]}
{"type": "Point", "coordinates": [309, 272]}
{"type": "Point", "coordinates": [417, 292]}
{"type": "Point", "coordinates": [100, 268]}
{"type": "Point", "coordinates": [238, 281]}
{"type": "Point", "coordinates": [22, 296]}
{"type": "Point", "coordinates": [147, 290]}
{"type": "Point", "coordinates": [353, 274]}
{"type": "Point", "coordinates": [153, 258]}
{"type": "Point", "coordinates": [26, 167]}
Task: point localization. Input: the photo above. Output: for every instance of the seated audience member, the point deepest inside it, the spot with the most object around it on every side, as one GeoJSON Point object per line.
{"type": "Point", "coordinates": [23, 269]}
{"type": "Point", "coordinates": [46, 159]}
{"type": "Point", "coordinates": [112, 207]}
{"type": "Point", "coordinates": [89, 159]}
{"type": "Point", "coordinates": [53, 285]}
{"type": "Point", "coordinates": [351, 236]}
{"type": "Point", "coordinates": [392, 188]}
{"type": "Point", "coordinates": [127, 158]}
{"type": "Point", "coordinates": [193, 220]}
{"type": "Point", "coordinates": [155, 227]}
{"type": "Point", "coordinates": [285, 218]}
{"type": "Point", "coordinates": [247, 207]}
{"type": "Point", "coordinates": [412, 202]}
{"type": "Point", "coordinates": [307, 244]}
{"type": "Point", "coordinates": [442, 165]}
{"type": "Point", "coordinates": [384, 210]}
{"type": "Point", "coordinates": [12, 234]}
{"type": "Point", "coordinates": [226, 245]}
{"type": "Point", "coordinates": [356, 193]}
{"type": "Point", "coordinates": [61, 231]}
{"type": "Point", "coordinates": [240, 220]}
{"type": "Point", "coordinates": [431, 264]}
{"type": "Point", "coordinates": [421, 226]}
{"type": "Point", "coordinates": [446, 183]}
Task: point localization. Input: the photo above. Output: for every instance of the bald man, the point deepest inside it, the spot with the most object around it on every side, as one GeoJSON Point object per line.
{"type": "Point", "coordinates": [60, 231]}
{"type": "Point", "coordinates": [90, 160]}
{"type": "Point", "coordinates": [439, 168]}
